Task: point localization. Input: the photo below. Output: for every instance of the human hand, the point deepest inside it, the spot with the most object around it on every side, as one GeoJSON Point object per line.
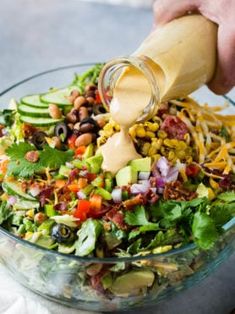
{"type": "Point", "coordinates": [221, 12]}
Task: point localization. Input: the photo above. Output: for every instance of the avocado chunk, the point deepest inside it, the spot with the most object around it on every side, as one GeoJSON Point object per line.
{"type": "Point", "coordinates": [126, 175]}
{"type": "Point", "coordinates": [94, 163]}
{"type": "Point", "coordinates": [89, 152]}
{"type": "Point", "coordinates": [131, 283]}
{"type": "Point", "coordinates": [141, 164]}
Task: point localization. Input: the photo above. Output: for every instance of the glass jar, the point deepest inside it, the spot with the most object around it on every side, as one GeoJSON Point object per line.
{"type": "Point", "coordinates": [175, 60]}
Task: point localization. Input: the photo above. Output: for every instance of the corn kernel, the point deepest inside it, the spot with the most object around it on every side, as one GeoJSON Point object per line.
{"type": "Point", "coordinates": [152, 126]}
{"type": "Point", "coordinates": [213, 184]}
{"type": "Point", "coordinates": [167, 142]}
{"type": "Point", "coordinates": [145, 148]}
{"type": "Point", "coordinates": [152, 150]}
{"type": "Point", "coordinates": [182, 145]}
{"type": "Point", "coordinates": [132, 131]}
{"type": "Point", "coordinates": [150, 134]}
{"type": "Point", "coordinates": [30, 213]}
{"type": "Point", "coordinates": [162, 134]}
{"type": "Point", "coordinates": [180, 154]}
{"type": "Point", "coordinates": [171, 155]}
{"type": "Point", "coordinates": [140, 131]}
{"type": "Point", "coordinates": [175, 142]}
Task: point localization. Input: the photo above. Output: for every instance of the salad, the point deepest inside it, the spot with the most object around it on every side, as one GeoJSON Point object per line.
{"type": "Point", "coordinates": [55, 194]}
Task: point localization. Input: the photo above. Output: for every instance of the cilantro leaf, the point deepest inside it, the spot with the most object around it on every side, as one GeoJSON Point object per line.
{"type": "Point", "coordinates": [227, 197]}
{"type": "Point", "coordinates": [146, 228]}
{"type": "Point", "coordinates": [53, 158]}
{"type": "Point", "coordinates": [170, 237]}
{"type": "Point", "coordinates": [136, 217]}
{"type": "Point", "coordinates": [5, 212]}
{"type": "Point", "coordinates": [204, 230]}
{"type": "Point", "coordinates": [48, 158]}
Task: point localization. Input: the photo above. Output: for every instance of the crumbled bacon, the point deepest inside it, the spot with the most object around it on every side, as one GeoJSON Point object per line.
{"type": "Point", "coordinates": [174, 127]}
{"type": "Point", "coordinates": [45, 194]}
{"type": "Point", "coordinates": [176, 191]}
{"type": "Point", "coordinates": [163, 109]}
{"type": "Point", "coordinates": [117, 218]}
{"type": "Point", "coordinates": [137, 200]}
{"type": "Point", "coordinates": [28, 130]}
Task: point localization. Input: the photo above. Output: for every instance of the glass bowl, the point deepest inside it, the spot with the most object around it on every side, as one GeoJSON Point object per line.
{"type": "Point", "coordinates": [74, 281]}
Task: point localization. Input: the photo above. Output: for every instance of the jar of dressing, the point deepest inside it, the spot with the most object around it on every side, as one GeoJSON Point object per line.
{"type": "Point", "coordinates": [172, 62]}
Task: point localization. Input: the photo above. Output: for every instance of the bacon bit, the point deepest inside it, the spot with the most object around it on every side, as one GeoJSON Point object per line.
{"type": "Point", "coordinates": [1, 128]}
{"type": "Point", "coordinates": [73, 174]}
{"type": "Point", "coordinates": [176, 191]}
{"type": "Point", "coordinates": [96, 281]}
{"type": "Point", "coordinates": [44, 195]}
{"type": "Point", "coordinates": [117, 218]}
{"type": "Point", "coordinates": [137, 200]}
{"type": "Point", "coordinates": [32, 156]}
{"type": "Point", "coordinates": [28, 130]}
{"type": "Point", "coordinates": [62, 206]}
{"type": "Point", "coordinates": [152, 197]}
{"type": "Point", "coordinates": [174, 127]}
{"type": "Point", "coordinates": [228, 182]}
{"type": "Point", "coordinates": [163, 109]}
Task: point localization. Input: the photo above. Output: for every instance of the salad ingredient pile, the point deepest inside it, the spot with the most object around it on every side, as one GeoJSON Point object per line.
{"type": "Point", "coordinates": [56, 193]}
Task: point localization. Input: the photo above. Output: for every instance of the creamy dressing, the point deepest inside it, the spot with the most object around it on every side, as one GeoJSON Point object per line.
{"type": "Point", "coordinates": [182, 58]}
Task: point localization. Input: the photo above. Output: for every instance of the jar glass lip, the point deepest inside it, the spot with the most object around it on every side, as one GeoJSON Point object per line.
{"type": "Point", "coordinates": [111, 72]}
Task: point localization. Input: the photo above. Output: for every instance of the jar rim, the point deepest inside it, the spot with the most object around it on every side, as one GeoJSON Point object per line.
{"type": "Point", "coordinates": [107, 81]}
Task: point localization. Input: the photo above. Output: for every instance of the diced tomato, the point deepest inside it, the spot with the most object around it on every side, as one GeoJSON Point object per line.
{"type": "Point", "coordinates": [192, 170]}
{"type": "Point", "coordinates": [174, 127]}
{"type": "Point", "coordinates": [97, 97]}
{"type": "Point", "coordinates": [80, 151]}
{"type": "Point", "coordinates": [82, 210]}
{"type": "Point", "coordinates": [73, 187]}
{"type": "Point", "coordinates": [82, 183]}
{"type": "Point", "coordinates": [71, 141]}
{"type": "Point", "coordinates": [96, 202]}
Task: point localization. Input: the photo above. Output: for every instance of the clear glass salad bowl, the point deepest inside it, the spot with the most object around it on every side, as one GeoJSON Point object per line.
{"type": "Point", "coordinates": [143, 280]}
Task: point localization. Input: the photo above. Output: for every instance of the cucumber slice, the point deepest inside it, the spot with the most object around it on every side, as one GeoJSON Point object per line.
{"type": "Point", "coordinates": [22, 204]}
{"type": "Point", "coordinates": [33, 101]}
{"type": "Point", "coordinates": [33, 111]}
{"type": "Point", "coordinates": [13, 188]}
{"type": "Point", "coordinates": [44, 122]}
{"type": "Point", "coordinates": [58, 97]}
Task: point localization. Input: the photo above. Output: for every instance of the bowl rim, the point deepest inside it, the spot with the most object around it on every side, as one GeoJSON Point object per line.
{"type": "Point", "coordinates": [106, 260]}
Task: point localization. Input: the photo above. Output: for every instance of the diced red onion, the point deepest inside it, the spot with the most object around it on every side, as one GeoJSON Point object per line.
{"type": "Point", "coordinates": [163, 166]}
{"type": "Point", "coordinates": [154, 190]}
{"type": "Point", "coordinates": [117, 195]}
{"type": "Point", "coordinates": [81, 195]}
{"type": "Point", "coordinates": [140, 188]}
{"type": "Point", "coordinates": [12, 200]}
{"type": "Point", "coordinates": [144, 175]}
{"type": "Point", "coordinates": [172, 175]}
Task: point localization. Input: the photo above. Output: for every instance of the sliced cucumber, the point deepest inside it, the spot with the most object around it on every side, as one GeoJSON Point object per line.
{"type": "Point", "coordinates": [33, 111]}
{"type": "Point", "coordinates": [33, 101]}
{"type": "Point", "coordinates": [22, 204]}
{"type": "Point", "coordinates": [44, 122]}
{"type": "Point", "coordinates": [58, 97]}
{"type": "Point", "coordinates": [13, 188]}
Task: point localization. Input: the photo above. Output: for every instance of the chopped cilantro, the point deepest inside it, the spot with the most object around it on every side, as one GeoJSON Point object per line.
{"type": "Point", "coordinates": [48, 158]}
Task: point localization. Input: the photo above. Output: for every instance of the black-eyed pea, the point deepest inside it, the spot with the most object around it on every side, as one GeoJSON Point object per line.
{"type": "Point", "coordinates": [56, 141]}
{"type": "Point", "coordinates": [91, 100]}
{"type": "Point", "coordinates": [84, 139]}
{"type": "Point", "coordinates": [73, 95]}
{"type": "Point", "coordinates": [76, 126]}
{"type": "Point", "coordinates": [83, 113]}
{"type": "Point", "coordinates": [90, 87]}
{"type": "Point", "coordinates": [79, 101]}
{"type": "Point", "coordinates": [54, 111]}
{"type": "Point", "coordinates": [39, 218]}
{"type": "Point", "coordinates": [101, 123]}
